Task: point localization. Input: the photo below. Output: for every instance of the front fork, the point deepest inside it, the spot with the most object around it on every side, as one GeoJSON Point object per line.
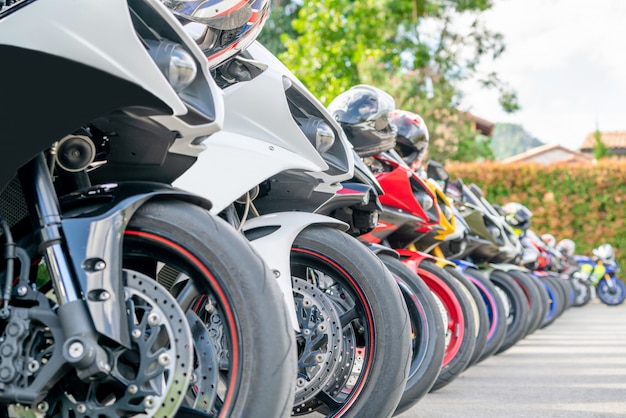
{"type": "Point", "coordinates": [81, 347]}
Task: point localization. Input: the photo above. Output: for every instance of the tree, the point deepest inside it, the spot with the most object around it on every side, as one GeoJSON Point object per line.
{"type": "Point", "coordinates": [416, 50]}
{"type": "Point", "coordinates": [599, 148]}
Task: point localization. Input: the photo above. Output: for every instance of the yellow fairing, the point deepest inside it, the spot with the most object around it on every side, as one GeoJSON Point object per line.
{"type": "Point", "coordinates": [447, 223]}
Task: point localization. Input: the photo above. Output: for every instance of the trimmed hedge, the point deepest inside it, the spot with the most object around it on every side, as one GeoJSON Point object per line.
{"type": "Point", "coordinates": [583, 202]}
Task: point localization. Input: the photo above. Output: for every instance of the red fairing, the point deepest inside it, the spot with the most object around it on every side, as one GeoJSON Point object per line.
{"type": "Point", "coordinates": [399, 185]}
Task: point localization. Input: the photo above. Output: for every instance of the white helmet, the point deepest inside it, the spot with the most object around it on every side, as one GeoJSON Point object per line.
{"type": "Point", "coordinates": [605, 253]}
{"type": "Point", "coordinates": [567, 247]}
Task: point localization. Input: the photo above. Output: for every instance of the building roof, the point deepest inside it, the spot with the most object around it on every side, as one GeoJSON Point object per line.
{"type": "Point", "coordinates": [483, 126]}
{"type": "Point", "coordinates": [548, 154]}
{"type": "Point", "coordinates": [612, 139]}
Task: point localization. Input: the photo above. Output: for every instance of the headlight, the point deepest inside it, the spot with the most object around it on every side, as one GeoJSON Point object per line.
{"type": "Point", "coordinates": [423, 199]}
{"type": "Point", "coordinates": [447, 211]}
{"type": "Point", "coordinates": [178, 66]}
{"type": "Point", "coordinates": [182, 69]}
{"type": "Point", "coordinates": [319, 133]}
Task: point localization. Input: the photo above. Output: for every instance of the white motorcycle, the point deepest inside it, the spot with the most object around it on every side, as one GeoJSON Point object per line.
{"type": "Point", "coordinates": [280, 159]}
{"type": "Point", "coordinates": [121, 295]}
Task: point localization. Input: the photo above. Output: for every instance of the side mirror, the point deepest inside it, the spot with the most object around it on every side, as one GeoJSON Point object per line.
{"type": "Point", "coordinates": [476, 190]}
{"type": "Point", "coordinates": [436, 171]}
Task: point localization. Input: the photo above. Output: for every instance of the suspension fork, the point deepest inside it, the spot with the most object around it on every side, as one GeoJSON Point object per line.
{"type": "Point", "coordinates": [81, 347]}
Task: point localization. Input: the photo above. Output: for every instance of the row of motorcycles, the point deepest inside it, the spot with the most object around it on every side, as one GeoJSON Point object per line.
{"type": "Point", "coordinates": [188, 231]}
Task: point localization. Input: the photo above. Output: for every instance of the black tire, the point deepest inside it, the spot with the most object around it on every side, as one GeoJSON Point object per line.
{"type": "Point", "coordinates": [568, 289]}
{"type": "Point", "coordinates": [374, 322]}
{"type": "Point", "coordinates": [517, 320]}
{"type": "Point", "coordinates": [582, 290]}
{"type": "Point", "coordinates": [479, 309]}
{"type": "Point", "coordinates": [537, 309]}
{"type": "Point", "coordinates": [555, 301]}
{"type": "Point", "coordinates": [562, 291]}
{"type": "Point", "coordinates": [497, 313]}
{"type": "Point", "coordinates": [460, 361]}
{"type": "Point", "coordinates": [428, 334]}
{"type": "Point", "coordinates": [218, 279]}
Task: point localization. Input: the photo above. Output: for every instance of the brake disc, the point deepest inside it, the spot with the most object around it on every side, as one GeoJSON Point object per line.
{"type": "Point", "coordinates": [152, 377]}
{"type": "Point", "coordinates": [319, 341]}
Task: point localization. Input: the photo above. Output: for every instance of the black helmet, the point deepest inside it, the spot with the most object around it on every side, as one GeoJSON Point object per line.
{"type": "Point", "coordinates": [363, 113]}
{"type": "Point", "coordinates": [412, 137]}
{"type": "Point", "coordinates": [518, 216]}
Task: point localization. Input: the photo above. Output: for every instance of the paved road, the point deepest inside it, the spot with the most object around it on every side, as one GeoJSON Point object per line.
{"type": "Point", "coordinates": [574, 368]}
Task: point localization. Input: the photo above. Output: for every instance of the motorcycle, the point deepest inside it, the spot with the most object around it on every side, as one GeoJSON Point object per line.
{"type": "Point", "coordinates": [600, 271]}
{"type": "Point", "coordinates": [409, 212]}
{"type": "Point", "coordinates": [122, 295]}
{"type": "Point", "coordinates": [351, 323]}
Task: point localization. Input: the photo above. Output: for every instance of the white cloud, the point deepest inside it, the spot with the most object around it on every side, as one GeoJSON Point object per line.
{"type": "Point", "coordinates": [566, 60]}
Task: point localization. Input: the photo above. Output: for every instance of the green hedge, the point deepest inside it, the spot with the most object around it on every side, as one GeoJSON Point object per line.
{"type": "Point", "coordinates": [583, 202]}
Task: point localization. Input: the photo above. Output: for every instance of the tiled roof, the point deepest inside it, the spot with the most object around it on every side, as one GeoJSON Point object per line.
{"type": "Point", "coordinates": [612, 140]}
{"type": "Point", "coordinates": [533, 154]}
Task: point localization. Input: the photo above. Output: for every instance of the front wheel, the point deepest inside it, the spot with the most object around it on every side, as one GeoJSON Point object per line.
{"type": "Point", "coordinates": [354, 353]}
{"type": "Point", "coordinates": [518, 310]}
{"type": "Point", "coordinates": [611, 291]}
{"type": "Point", "coordinates": [428, 332]}
{"type": "Point", "coordinates": [244, 349]}
{"type": "Point", "coordinates": [460, 330]}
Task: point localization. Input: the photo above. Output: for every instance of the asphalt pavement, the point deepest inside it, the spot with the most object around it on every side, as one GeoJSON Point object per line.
{"type": "Point", "coordinates": [574, 368]}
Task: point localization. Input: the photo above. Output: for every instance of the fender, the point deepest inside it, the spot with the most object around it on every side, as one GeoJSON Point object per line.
{"type": "Point", "coordinates": [94, 221]}
{"type": "Point", "coordinates": [463, 264]}
{"type": "Point", "coordinates": [420, 256]}
{"type": "Point", "coordinates": [508, 267]}
{"type": "Point", "coordinates": [381, 249]}
{"type": "Point", "coordinates": [272, 237]}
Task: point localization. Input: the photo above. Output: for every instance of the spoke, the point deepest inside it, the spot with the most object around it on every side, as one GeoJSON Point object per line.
{"type": "Point", "coordinates": [331, 403]}
{"type": "Point", "coordinates": [187, 295]}
{"type": "Point", "coordinates": [347, 317]}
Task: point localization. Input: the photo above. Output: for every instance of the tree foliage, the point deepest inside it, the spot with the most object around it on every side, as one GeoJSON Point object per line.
{"type": "Point", "coordinates": [416, 50]}
{"type": "Point", "coordinates": [599, 148]}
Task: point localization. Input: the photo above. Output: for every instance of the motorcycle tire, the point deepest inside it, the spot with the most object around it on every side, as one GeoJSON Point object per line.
{"type": "Point", "coordinates": [611, 295]}
{"type": "Point", "coordinates": [461, 326]}
{"type": "Point", "coordinates": [554, 301]}
{"type": "Point", "coordinates": [535, 302]}
{"type": "Point", "coordinates": [495, 310]}
{"type": "Point", "coordinates": [245, 352]}
{"type": "Point", "coordinates": [480, 310]}
{"type": "Point", "coordinates": [568, 288]}
{"type": "Point", "coordinates": [428, 341]}
{"type": "Point", "coordinates": [563, 293]}
{"type": "Point", "coordinates": [373, 322]}
{"type": "Point", "coordinates": [583, 291]}
{"type": "Point", "coordinates": [517, 319]}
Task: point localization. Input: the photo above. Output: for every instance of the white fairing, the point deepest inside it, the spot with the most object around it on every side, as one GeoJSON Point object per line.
{"type": "Point", "coordinates": [240, 162]}
{"type": "Point", "coordinates": [260, 53]}
{"type": "Point", "coordinates": [100, 34]}
{"type": "Point", "coordinates": [91, 34]}
{"type": "Point", "coordinates": [259, 139]}
{"type": "Point", "coordinates": [275, 248]}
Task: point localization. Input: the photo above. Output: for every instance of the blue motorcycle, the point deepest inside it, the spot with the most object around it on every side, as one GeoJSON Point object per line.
{"type": "Point", "coordinates": [601, 271]}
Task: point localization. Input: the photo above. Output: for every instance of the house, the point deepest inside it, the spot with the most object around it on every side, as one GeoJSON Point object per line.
{"type": "Point", "coordinates": [549, 154]}
{"type": "Point", "coordinates": [615, 142]}
{"type": "Point", "coordinates": [482, 126]}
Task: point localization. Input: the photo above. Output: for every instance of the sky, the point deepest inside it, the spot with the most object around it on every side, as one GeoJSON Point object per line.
{"type": "Point", "coordinates": [566, 59]}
